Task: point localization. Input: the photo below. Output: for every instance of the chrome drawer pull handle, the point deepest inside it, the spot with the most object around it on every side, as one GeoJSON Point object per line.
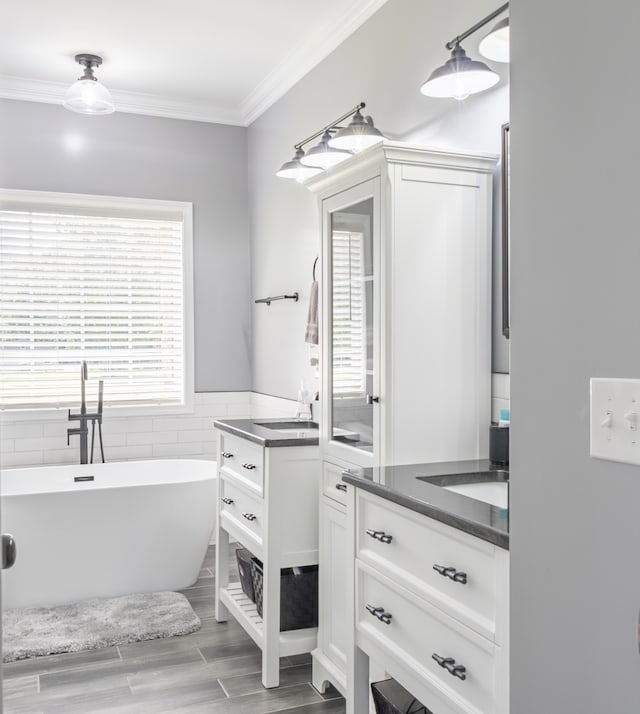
{"type": "Point", "coordinates": [448, 663]}
{"type": "Point", "coordinates": [341, 487]}
{"type": "Point", "coordinates": [379, 535]}
{"type": "Point", "coordinates": [250, 516]}
{"type": "Point", "coordinates": [228, 501]}
{"type": "Point", "coordinates": [226, 455]}
{"type": "Point", "coordinates": [450, 572]}
{"type": "Point", "coordinates": [249, 467]}
{"type": "Point", "coordinates": [380, 614]}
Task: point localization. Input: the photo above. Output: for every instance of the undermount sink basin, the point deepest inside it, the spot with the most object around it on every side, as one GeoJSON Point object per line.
{"type": "Point", "coordinates": [286, 425]}
{"type": "Point", "coordinates": [488, 486]}
{"type": "Point", "coordinates": [496, 493]}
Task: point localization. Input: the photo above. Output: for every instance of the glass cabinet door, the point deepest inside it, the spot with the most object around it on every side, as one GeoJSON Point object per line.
{"type": "Point", "coordinates": [351, 359]}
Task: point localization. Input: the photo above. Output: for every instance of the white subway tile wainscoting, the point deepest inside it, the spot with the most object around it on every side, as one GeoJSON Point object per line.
{"type": "Point", "coordinates": [35, 442]}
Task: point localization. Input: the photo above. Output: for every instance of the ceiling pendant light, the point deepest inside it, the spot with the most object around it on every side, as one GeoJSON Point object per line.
{"type": "Point", "coordinates": [295, 169]}
{"type": "Point", "coordinates": [359, 135]}
{"type": "Point", "coordinates": [459, 77]}
{"type": "Point", "coordinates": [495, 46]}
{"type": "Point", "coordinates": [87, 95]}
{"type": "Point", "coordinates": [324, 156]}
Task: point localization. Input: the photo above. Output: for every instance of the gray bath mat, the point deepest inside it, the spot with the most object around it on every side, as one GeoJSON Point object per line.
{"type": "Point", "coordinates": [92, 624]}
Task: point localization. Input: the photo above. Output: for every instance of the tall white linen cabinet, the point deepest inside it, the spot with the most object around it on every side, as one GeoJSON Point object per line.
{"type": "Point", "coordinates": [405, 336]}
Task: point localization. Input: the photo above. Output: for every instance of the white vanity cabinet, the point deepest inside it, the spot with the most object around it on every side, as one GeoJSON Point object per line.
{"type": "Point", "coordinates": [268, 503]}
{"type": "Point", "coordinates": [430, 608]}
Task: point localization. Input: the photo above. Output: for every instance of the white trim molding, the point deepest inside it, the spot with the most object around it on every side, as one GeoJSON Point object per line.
{"type": "Point", "coordinates": [302, 58]}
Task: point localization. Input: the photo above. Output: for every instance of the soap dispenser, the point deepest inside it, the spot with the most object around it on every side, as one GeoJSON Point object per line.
{"type": "Point", "coordinates": [499, 440]}
{"type": "Point", "coordinates": [303, 407]}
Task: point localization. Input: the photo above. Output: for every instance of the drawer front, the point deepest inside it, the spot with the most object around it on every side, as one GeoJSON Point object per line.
{"type": "Point", "coordinates": [246, 512]}
{"type": "Point", "coordinates": [406, 546]}
{"type": "Point", "coordinates": [411, 631]}
{"type": "Point", "coordinates": [332, 484]}
{"type": "Point", "coordinates": [243, 459]}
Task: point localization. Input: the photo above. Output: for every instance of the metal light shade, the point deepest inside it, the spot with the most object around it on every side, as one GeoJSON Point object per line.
{"type": "Point", "coordinates": [359, 135]}
{"type": "Point", "coordinates": [324, 156]}
{"type": "Point", "coordinates": [295, 170]}
{"type": "Point", "coordinates": [495, 46]}
{"type": "Point", "coordinates": [459, 77]}
{"type": "Point", "coordinates": [87, 95]}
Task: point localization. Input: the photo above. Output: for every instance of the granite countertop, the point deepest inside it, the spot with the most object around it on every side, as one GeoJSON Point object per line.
{"type": "Point", "coordinates": [253, 430]}
{"type": "Point", "coordinates": [402, 485]}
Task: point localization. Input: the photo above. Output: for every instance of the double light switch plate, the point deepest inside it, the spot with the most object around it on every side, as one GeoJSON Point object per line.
{"type": "Point", "coordinates": [615, 419]}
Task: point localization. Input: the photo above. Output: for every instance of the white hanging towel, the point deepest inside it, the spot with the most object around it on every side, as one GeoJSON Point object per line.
{"type": "Point", "coordinates": [311, 335]}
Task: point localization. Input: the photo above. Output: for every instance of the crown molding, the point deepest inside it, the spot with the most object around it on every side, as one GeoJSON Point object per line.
{"type": "Point", "coordinates": [29, 90]}
{"type": "Point", "coordinates": [304, 57]}
{"type": "Point", "coordinates": [299, 62]}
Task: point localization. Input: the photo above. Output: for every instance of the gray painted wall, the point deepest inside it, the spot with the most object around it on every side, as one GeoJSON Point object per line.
{"type": "Point", "coordinates": [575, 525]}
{"type": "Point", "coordinates": [383, 63]}
{"type": "Point", "coordinates": [45, 147]}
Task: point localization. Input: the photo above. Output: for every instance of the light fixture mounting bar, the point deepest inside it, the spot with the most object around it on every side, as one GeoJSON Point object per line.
{"type": "Point", "coordinates": [456, 40]}
{"type": "Point", "coordinates": [359, 106]}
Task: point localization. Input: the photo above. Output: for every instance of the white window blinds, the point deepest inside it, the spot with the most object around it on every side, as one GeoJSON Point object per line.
{"type": "Point", "coordinates": [349, 314]}
{"type": "Point", "coordinates": [108, 289]}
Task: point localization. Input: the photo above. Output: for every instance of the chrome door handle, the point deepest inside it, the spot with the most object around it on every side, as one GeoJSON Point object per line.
{"type": "Point", "coordinates": [249, 467]}
{"type": "Point", "coordinates": [226, 455]}
{"type": "Point", "coordinates": [228, 501]}
{"type": "Point", "coordinates": [9, 550]}
{"type": "Point", "coordinates": [450, 572]}
{"type": "Point", "coordinates": [448, 663]}
{"type": "Point", "coordinates": [341, 487]}
{"type": "Point", "coordinates": [380, 613]}
{"type": "Point", "coordinates": [250, 516]}
{"type": "Point", "coordinates": [379, 535]}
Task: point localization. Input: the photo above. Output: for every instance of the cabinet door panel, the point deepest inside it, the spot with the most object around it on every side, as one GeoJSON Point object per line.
{"type": "Point", "coordinates": [333, 584]}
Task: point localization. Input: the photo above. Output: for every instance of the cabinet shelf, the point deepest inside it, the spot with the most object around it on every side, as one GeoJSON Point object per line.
{"type": "Point", "coordinates": [292, 642]}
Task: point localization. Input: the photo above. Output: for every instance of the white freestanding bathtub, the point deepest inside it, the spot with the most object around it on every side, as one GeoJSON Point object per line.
{"type": "Point", "coordinates": [102, 530]}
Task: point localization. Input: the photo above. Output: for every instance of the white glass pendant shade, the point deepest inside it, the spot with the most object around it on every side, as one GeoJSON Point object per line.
{"type": "Point", "coordinates": [459, 77]}
{"type": "Point", "coordinates": [324, 156]}
{"type": "Point", "coordinates": [359, 135]}
{"type": "Point", "coordinates": [495, 46]}
{"type": "Point", "coordinates": [88, 96]}
{"type": "Point", "coordinates": [294, 169]}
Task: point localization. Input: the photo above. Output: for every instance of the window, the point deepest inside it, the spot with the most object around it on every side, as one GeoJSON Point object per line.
{"type": "Point", "coordinates": [349, 314]}
{"type": "Point", "coordinates": [98, 279]}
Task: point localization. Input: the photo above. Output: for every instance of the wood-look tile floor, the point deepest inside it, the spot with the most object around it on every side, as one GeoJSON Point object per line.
{"type": "Point", "coordinates": [215, 670]}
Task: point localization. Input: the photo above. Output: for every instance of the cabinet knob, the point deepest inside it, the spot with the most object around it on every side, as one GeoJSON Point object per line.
{"type": "Point", "coordinates": [371, 399]}
{"type": "Point", "coordinates": [250, 516]}
{"type": "Point", "coordinates": [448, 663]}
{"type": "Point", "coordinates": [380, 613]}
{"type": "Point", "coordinates": [449, 572]}
{"type": "Point", "coordinates": [228, 501]}
{"type": "Point", "coordinates": [341, 487]}
{"type": "Point", "coordinates": [249, 467]}
{"type": "Point", "coordinates": [379, 535]}
{"type": "Point", "coordinates": [226, 455]}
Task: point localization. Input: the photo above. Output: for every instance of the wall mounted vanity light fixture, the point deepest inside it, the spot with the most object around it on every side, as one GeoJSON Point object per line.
{"type": "Point", "coordinates": [87, 95]}
{"type": "Point", "coordinates": [495, 45]}
{"type": "Point", "coordinates": [461, 76]}
{"type": "Point", "coordinates": [337, 144]}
